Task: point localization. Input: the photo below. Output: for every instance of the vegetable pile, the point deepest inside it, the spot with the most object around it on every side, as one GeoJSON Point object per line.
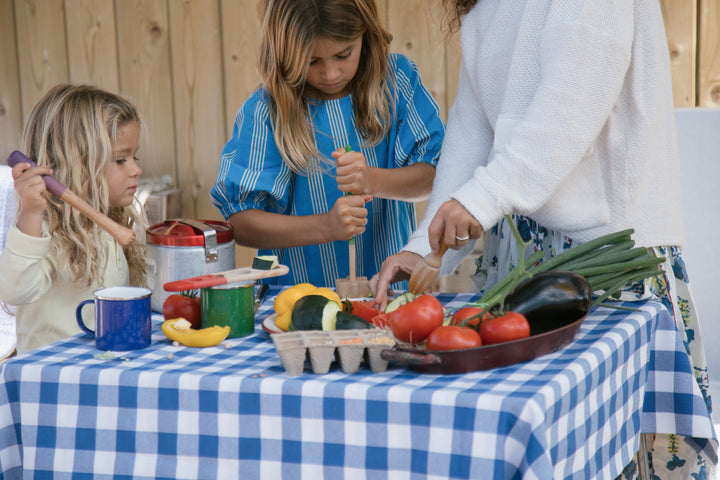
{"type": "Point", "coordinates": [532, 298]}
{"type": "Point", "coordinates": [307, 307]}
{"type": "Point", "coordinates": [186, 305]}
{"type": "Point", "coordinates": [183, 322]}
{"type": "Point", "coordinates": [539, 296]}
{"type": "Point", "coordinates": [607, 263]}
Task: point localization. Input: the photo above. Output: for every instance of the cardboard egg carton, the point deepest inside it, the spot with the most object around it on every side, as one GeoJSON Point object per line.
{"type": "Point", "coordinates": [320, 348]}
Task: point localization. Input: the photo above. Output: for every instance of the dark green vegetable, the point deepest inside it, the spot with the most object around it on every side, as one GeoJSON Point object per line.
{"type": "Point", "coordinates": [399, 301]}
{"type": "Point", "coordinates": [551, 299]}
{"type": "Point", "coordinates": [314, 312]}
{"type": "Point", "coordinates": [348, 321]}
{"type": "Point", "coordinates": [608, 263]}
{"type": "Point", "coordinates": [265, 262]}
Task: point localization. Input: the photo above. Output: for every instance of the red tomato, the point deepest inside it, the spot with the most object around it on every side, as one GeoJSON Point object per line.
{"type": "Point", "coordinates": [511, 326]}
{"type": "Point", "coordinates": [381, 320]}
{"type": "Point", "coordinates": [181, 306]}
{"type": "Point", "coordinates": [413, 322]}
{"type": "Point", "coordinates": [452, 337]}
{"type": "Point", "coordinates": [364, 309]}
{"type": "Point", "coordinates": [467, 312]}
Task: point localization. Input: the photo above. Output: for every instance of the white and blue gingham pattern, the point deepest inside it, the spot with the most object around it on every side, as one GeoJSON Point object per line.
{"type": "Point", "coordinates": [176, 412]}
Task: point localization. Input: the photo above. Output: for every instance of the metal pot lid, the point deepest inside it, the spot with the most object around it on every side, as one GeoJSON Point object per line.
{"type": "Point", "coordinates": [188, 233]}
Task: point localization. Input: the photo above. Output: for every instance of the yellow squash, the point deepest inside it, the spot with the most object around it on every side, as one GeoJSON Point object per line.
{"type": "Point", "coordinates": [178, 330]}
{"type": "Point", "coordinates": [285, 301]}
{"type": "Point", "coordinates": [283, 321]}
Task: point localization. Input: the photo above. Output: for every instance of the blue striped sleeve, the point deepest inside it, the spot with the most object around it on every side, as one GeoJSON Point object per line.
{"type": "Point", "coordinates": [419, 128]}
{"type": "Point", "coordinates": [251, 172]}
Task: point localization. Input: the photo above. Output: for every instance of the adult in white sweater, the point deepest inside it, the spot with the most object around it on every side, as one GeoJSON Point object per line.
{"type": "Point", "coordinates": [563, 118]}
{"type": "Point", "coordinates": [563, 113]}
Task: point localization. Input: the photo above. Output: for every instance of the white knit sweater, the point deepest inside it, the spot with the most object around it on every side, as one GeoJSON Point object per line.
{"type": "Point", "coordinates": [564, 113]}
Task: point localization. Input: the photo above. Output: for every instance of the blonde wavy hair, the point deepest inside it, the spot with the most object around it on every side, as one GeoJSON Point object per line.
{"type": "Point", "coordinates": [288, 30]}
{"type": "Point", "coordinates": [72, 130]}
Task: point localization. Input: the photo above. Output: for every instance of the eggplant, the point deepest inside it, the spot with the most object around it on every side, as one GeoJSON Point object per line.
{"type": "Point", "coordinates": [551, 299]}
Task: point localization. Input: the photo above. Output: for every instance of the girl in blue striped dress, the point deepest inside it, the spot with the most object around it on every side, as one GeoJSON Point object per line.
{"type": "Point", "coordinates": [284, 176]}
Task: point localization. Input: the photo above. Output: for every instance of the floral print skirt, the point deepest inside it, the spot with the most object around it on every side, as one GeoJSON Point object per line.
{"type": "Point", "coordinates": [669, 456]}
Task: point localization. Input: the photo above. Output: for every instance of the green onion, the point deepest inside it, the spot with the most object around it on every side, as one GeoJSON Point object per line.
{"type": "Point", "coordinates": [600, 256]}
{"type": "Point", "coordinates": [608, 263]}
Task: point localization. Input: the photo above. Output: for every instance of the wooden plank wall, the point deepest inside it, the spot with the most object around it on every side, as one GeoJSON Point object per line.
{"type": "Point", "coordinates": [189, 64]}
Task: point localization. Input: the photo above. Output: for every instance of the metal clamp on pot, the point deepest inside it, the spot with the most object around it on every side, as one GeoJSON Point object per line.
{"type": "Point", "coordinates": [184, 248]}
{"type": "Point", "coordinates": [209, 234]}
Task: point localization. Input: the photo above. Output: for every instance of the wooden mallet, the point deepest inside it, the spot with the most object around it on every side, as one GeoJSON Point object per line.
{"type": "Point", "coordinates": [122, 234]}
{"type": "Point", "coordinates": [352, 286]}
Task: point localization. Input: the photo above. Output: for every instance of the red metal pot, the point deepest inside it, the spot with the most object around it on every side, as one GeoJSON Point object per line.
{"type": "Point", "coordinates": [185, 248]}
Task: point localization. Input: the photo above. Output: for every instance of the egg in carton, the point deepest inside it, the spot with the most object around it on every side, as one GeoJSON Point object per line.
{"type": "Point", "coordinates": [320, 347]}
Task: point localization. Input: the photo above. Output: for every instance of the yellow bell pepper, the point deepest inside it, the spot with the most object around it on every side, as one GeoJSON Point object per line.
{"type": "Point", "coordinates": [178, 330]}
{"type": "Point", "coordinates": [286, 299]}
{"type": "Point", "coordinates": [327, 293]}
{"type": "Point", "coordinates": [283, 321]}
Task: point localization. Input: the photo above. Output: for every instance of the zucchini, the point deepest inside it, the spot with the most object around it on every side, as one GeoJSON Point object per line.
{"type": "Point", "coordinates": [348, 321]}
{"type": "Point", "coordinates": [314, 312]}
{"type": "Point", "coordinates": [265, 262]}
{"type": "Point", "coordinates": [399, 301]}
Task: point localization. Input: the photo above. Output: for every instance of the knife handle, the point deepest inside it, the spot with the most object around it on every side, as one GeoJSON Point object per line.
{"type": "Point", "coordinates": [123, 235]}
{"type": "Point", "coordinates": [51, 183]}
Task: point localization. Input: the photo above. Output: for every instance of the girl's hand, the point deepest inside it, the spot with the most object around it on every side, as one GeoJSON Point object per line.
{"type": "Point", "coordinates": [395, 268]}
{"type": "Point", "coordinates": [348, 216]}
{"type": "Point", "coordinates": [31, 189]}
{"type": "Point", "coordinates": [455, 224]}
{"type": "Point", "coordinates": [352, 172]}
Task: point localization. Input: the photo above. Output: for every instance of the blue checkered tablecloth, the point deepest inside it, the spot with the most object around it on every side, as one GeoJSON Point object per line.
{"type": "Point", "coordinates": [177, 412]}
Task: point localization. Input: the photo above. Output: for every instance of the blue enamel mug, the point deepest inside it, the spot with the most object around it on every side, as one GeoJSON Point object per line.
{"type": "Point", "coordinates": [122, 318]}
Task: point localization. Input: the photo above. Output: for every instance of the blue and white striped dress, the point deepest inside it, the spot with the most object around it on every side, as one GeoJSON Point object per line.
{"type": "Point", "coordinates": [252, 175]}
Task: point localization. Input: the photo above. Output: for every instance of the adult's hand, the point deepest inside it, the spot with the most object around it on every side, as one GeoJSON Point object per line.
{"type": "Point", "coordinates": [455, 224]}
{"type": "Point", "coordinates": [395, 268]}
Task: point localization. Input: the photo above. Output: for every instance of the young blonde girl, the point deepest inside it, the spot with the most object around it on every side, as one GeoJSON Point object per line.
{"type": "Point", "coordinates": [328, 82]}
{"type": "Point", "coordinates": [55, 256]}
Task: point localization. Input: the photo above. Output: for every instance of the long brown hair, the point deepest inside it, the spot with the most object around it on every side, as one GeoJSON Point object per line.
{"type": "Point", "coordinates": [288, 30]}
{"type": "Point", "coordinates": [454, 10]}
{"type": "Point", "coordinates": [72, 130]}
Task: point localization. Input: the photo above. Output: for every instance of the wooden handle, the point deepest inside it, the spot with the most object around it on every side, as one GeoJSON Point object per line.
{"type": "Point", "coordinates": [351, 243]}
{"type": "Point", "coordinates": [246, 274]}
{"type": "Point", "coordinates": [221, 278]}
{"type": "Point", "coordinates": [434, 260]}
{"type": "Point", "coordinates": [122, 234]}
{"type": "Point", "coordinates": [351, 253]}
{"type": "Point", "coordinates": [443, 247]}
